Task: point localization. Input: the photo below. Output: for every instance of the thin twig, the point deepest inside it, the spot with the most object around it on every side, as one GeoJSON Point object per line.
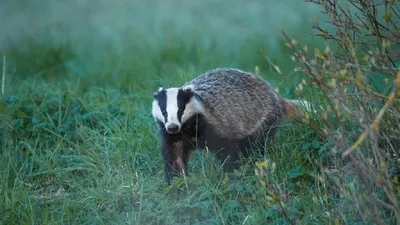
{"type": "Point", "coordinates": [3, 80]}
{"type": "Point", "coordinates": [374, 68]}
{"type": "Point", "coordinates": [375, 125]}
{"type": "Point", "coordinates": [363, 178]}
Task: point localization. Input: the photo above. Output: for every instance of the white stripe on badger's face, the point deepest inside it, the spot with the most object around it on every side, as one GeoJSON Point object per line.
{"type": "Point", "coordinates": [172, 107]}
{"type": "Point", "coordinates": [156, 111]}
{"type": "Point", "coordinates": [175, 106]}
{"type": "Point", "coordinates": [192, 107]}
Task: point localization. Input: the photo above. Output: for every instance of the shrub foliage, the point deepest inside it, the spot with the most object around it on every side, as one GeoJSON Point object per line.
{"type": "Point", "coordinates": [359, 117]}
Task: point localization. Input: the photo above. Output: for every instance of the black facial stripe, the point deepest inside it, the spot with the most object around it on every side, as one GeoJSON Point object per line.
{"type": "Point", "coordinates": [162, 103]}
{"type": "Point", "coordinates": [183, 99]}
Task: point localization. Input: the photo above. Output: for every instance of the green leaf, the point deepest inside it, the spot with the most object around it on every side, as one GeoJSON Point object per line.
{"type": "Point", "coordinates": [296, 172]}
{"type": "Point", "coordinates": [388, 15]}
{"type": "Point", "coordinates": [21, 114]}
{"type": "Point", "coordinates": [305, 146]}
{"type": "Point", "coordinates": [3, 107]}
{"type": "Point", "coordinates": [316, 144]}
{"type": "Point", "coordinates": [233, 204]}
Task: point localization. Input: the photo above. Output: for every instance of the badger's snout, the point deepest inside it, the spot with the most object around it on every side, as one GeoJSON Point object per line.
{"type": "Point", "coordinates": [172, 128]}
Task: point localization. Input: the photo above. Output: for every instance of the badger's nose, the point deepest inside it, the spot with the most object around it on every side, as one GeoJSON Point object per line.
{"type": "Point", "coordinates": [172, 128]}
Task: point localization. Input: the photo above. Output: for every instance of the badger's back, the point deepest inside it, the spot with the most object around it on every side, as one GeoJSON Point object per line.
{"type": "Point", "coordinates": [237, 104]}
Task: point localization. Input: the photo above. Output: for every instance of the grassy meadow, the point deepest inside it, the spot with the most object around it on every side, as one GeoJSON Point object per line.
{"type": "Point", "coordinates": [78, 144]}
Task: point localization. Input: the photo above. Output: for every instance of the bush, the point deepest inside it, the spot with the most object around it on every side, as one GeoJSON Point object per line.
{"type": "Point", "coordinates": [358, 76]}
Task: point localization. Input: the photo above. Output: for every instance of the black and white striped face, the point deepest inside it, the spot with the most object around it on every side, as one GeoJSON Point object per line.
{"type": "Point", "coordinates": [174, 106]}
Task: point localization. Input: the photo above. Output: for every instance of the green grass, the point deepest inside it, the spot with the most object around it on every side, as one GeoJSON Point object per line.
{"type": "Point", "coordinates": [79, 145]}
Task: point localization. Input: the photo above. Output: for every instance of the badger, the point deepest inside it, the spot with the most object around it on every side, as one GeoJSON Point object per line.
{"type": "Point", "coordinates": [224, 110]}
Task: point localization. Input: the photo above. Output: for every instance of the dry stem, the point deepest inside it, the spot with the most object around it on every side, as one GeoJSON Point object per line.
{"type": "Point", "coordinates": [3, 80]}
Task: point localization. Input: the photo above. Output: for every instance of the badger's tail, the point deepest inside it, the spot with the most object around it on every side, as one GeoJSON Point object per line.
{"type": "Point", "coordinates": [296, 108]}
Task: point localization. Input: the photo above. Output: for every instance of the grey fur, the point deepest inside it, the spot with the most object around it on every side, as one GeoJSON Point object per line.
{"type": "Point", "coordinates": [237, 109]}
{"type": "Point", "coordinates": [237, 104]}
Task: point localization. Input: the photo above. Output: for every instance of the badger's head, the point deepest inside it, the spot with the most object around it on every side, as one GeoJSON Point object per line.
{"type": "Point", "coordinates": [174, 106]}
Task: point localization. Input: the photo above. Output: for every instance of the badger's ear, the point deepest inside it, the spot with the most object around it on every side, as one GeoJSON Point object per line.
{"type": "Point", "coordinates": [188, 88]}
{"type": "Point", "coordinates": [155, 94]}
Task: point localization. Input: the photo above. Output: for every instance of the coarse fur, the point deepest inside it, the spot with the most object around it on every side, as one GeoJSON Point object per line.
{"type": "Point", "coordinates": [224, 109]}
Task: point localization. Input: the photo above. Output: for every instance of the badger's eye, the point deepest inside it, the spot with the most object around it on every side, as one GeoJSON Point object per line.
{"type": "Point", "coordinates": [180, 113]}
